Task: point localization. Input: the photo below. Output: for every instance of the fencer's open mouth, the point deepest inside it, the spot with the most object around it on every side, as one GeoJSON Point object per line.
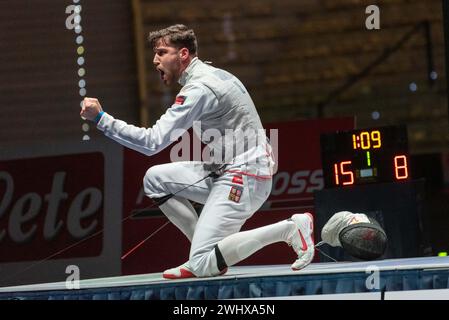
{"type": "Point", "coordinates": [161, 73]}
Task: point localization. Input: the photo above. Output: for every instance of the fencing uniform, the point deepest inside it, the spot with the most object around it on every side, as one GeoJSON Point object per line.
{"type": "Point", "coordinates": [218, 107]}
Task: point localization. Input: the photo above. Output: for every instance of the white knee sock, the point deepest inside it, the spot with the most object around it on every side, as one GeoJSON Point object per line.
{"type": "Point", "coordinates": [182, 214]}
{"type": "Point", "coordinates": [241, 245]}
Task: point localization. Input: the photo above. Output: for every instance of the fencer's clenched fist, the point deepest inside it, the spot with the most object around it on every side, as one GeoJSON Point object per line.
{"type": "Point", "coordinates": [90, 109]}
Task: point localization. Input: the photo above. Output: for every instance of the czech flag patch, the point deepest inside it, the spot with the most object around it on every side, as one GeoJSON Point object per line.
{"type": "Point", "coordinates": [235, 194]}
{"type": "Point", "coordinates": [180, 99]}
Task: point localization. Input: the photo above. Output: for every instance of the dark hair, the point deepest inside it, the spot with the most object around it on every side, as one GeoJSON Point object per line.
{"type": "Point", "coordinates": [177, 35]}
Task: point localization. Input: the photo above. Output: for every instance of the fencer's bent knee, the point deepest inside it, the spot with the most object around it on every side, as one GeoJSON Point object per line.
{"type": "Point", "coordinates": [153, 181]}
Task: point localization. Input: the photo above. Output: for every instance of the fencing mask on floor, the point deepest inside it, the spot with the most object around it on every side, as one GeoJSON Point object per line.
{"type": "Point", "coordinates": [360, 236]}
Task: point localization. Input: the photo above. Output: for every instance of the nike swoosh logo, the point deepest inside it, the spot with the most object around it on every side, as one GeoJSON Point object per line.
{"type": "Point", "coordinates": [304, 244]}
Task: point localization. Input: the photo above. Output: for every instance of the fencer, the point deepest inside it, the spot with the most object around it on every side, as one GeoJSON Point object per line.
{"type": "Point", "coordinates": [222, 114]}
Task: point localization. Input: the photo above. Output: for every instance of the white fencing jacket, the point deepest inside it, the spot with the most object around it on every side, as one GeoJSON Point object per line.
{"type": "Point", "coordinates": [220, 110]}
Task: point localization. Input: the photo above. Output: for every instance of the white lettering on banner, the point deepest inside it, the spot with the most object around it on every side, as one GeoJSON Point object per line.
{"type": "Point", "coordinates": [283, 178]}
{"type": "Point", "coordinates": [18, 217]}
{"type": "Point", "coordinates": [317, 181]}
{"type": "Point", "coordinates": [76, 212]}
{"type": "Point", "coordinates": [29, 205]}
{"type": "Point", "coordinates": [298, 182]}
{"type": "Point", "coordinates": [53, 199]}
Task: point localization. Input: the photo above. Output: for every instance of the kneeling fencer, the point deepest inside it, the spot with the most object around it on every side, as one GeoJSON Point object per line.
{"type": "Point", "coordinates": [239, 184]}
{"type": "Point", "coordinates": [359, 235]}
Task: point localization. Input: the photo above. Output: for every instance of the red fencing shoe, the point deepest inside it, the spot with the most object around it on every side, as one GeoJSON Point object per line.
{"type": "Point", "coordinates": [184, 272]}
{"type": "Point", "coordinates": [181, 272]}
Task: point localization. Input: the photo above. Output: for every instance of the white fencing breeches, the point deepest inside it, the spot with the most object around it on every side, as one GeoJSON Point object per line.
{"type": "Point", "coordinates": [229, 201]}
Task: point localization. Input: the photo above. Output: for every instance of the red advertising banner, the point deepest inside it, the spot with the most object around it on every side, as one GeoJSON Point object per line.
{"type": "Point", "coordinates": [297, 149]}
{"type": "Point", "coordinates": [49, 203]}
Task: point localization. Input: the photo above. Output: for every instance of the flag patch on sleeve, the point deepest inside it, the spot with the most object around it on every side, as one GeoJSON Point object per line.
{"type": "Point", "coordinates": [237, 180]}
{"type": "Point", "coordinates": [180, 99]}
{"type": "Point", "coordinates": [235, 194]}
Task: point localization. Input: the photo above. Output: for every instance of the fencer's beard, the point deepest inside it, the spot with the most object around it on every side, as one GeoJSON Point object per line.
{"type": "Point", "coordinates": [174, 73]}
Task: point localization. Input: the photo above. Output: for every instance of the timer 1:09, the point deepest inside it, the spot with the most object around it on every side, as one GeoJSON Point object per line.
{"type": "Point", "coordinates": [367, 140]}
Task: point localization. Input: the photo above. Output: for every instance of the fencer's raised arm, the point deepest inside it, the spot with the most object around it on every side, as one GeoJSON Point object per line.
{"type": "Point", "coordinates": [190, 105]}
